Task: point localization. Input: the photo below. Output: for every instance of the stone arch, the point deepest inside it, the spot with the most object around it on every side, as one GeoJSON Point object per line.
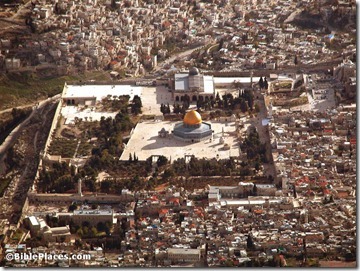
{"type": "Point", "coordinates": [201, 98]}
{"type": "Point", "coordinates": [194, 98]}
{"type": "Point", "coordinates": [182, 98]}
{"type": "Point", "coordinates": [206, 98]}
{"type": "Point", "coordinates": [177, 98]}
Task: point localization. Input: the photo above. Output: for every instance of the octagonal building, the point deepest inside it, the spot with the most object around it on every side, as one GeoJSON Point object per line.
{"type": "Point", "coordinates": [192, 129]}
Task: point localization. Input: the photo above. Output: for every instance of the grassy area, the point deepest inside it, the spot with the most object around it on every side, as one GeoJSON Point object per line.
{"type": "Point", "coordinates": [17, 89]}
{"type": "Point", "coordinates": [4, 183]}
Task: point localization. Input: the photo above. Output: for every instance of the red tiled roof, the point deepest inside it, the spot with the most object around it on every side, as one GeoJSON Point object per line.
{"type": "Point", "coordinates": [174, 200]}
{"type": "Point", "coordinates": [326, 191]}
{"type": "Point", "coordinates": [163, 211]}
{"type": "Point", "coordinates": [166, 24]}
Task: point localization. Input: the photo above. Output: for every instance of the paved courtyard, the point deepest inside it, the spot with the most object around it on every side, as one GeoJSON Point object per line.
{"type": "Point", "coordinates": [153, 97]}
{"type": "Point", "coordinates": [145, 142]}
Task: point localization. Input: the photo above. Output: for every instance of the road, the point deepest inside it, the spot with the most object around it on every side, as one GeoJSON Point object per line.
{"type": "Point", "coordinates": [10, 139]}
{"type": "Point", "coordinates": [269, 168]}
{"type": "Point", "coordinates": [176, 56]}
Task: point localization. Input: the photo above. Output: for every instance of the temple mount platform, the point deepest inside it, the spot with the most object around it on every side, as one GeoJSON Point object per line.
{"type": "Point", "coordinates": [156, 138]}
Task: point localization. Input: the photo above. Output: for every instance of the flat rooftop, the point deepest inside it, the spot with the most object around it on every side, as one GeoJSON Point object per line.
{"type": "Point", "coordinates": [183, 251]}
{"type": "Point", "coordinates": [208, 84]}
{"type": "Point", "coordinates": [100, 91]}
{"type": "Point", "coordinates": [145, 142]}
{"type": "Point", "coordinates": [181, 82]}
{"type": "Point", "coordinates": [229, 80]}
{"type": "Point", "coordinates": [151, 98]}
{"type": "Point", "coordinates": [93, 212]}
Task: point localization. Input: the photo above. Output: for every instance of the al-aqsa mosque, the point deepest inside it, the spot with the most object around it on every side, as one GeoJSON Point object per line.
{"type": "Point", "coordinates": [192, 129]}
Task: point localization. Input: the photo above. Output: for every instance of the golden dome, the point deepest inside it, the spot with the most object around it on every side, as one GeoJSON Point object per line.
{"type": "Point", "coordinates": [192, 118]}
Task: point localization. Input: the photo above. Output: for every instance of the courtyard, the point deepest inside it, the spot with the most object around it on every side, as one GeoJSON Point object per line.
{"type": "Point", "coordinates": [145, 142]}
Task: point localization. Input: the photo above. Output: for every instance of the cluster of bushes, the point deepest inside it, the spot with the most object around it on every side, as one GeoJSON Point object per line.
{"type": "Point", "coordinates": [60, 178]}
{"type": "Point", "coordinates": [63, 147]}
{"type": "Point", "coordinates": [204, 167]}
{"type": "Point", "coordinates": [255, 150]}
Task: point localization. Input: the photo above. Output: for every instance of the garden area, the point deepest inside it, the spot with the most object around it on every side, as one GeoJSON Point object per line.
{"type": "Point", "coordinates": [291, 103]}
{"type": "Point", "coordinates": [281, 86]}
{"type": "Point", "coordinates": [102, 142]}
{"type": "Point", "coordinates": [64, 147]}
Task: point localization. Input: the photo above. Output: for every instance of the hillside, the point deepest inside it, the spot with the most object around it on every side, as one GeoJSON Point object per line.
{"type": "Point", "coordinates": [334, 15]}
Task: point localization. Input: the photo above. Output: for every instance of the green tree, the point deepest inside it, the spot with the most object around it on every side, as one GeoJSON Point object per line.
{"type": "Point", "coordinates": [136, 105]}
{"type": "Point", "coordinates": [162, 161]}
{"type": "Point", "coordinates": [261, 83]}
{"type": "Point", "coordinates": [93, 231]}
{"type": "Point", "coordinates": [243, 106]}
{"type": "Point", "coordinates": [85, 230]}
{"type": "Point", "coordinates": [105, 186]}
{"type": "Point", "coordinates": [168, 173]}
{"type": "Point", "coordinates": [100, 226]}
{"type": "Point", "coordinates": [107, 228]}
{"type": "Point", "coordinates": [80, 232]}
{"type": "Point", "coordinates": [72, 207]}
{"type": "Point", "coordinates": [250, 242]}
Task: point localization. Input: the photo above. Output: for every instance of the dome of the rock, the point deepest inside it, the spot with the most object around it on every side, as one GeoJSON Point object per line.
{"type": "Point", "coordinates": [192, 118]}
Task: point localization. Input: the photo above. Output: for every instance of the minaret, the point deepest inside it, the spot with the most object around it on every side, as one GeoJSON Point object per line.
{"type": "Point", "coordinates": [79, 187]}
